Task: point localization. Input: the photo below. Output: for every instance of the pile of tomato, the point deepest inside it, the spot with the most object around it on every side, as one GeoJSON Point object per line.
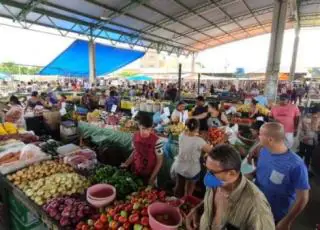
{"type": "Point", "coordinates": [216, 136]}
{"type": "Point", "coordinates": [238, 120]}
{"type": "Point", "coordinates": [125, 215]}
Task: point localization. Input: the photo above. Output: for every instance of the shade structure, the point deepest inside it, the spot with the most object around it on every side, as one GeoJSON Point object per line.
{"type": "Point", "coordinates": [74, 61]}
{"type": "Point", "coordinates": [140, 78]}
{"type": "Point", "coordinates": [4, 76]}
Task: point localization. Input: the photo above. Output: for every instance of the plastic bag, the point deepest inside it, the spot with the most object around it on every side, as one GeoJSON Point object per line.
{"type": "Point", "coordinates": [246, 167]}
{"type": "Point", "coordinates": [232, 134]}
{"type": "Point", "coordinates": [173, 172]}
{"type": "Point", "coordinates": [30, 151]}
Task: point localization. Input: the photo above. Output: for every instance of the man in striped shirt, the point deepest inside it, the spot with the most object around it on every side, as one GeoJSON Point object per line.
{"type": "Point", "coordinates": [231, 200]}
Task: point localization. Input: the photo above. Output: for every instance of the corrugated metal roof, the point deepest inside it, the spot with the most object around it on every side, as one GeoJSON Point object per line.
{"type": "Point", "coordinates": [175, 26]}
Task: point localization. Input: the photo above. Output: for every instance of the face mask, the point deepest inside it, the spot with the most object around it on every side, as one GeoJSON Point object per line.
{"type": "Point", "coordinates": [212, 181]}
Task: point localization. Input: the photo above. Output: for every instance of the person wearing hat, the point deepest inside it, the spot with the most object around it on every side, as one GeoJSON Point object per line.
{"type": "Point", "coordinates": [177, 114]}
{"type": "Point", "coordinates": [288, 115]}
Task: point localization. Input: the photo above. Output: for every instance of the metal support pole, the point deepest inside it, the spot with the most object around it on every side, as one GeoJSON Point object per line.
{"type": "Point", "coordinates": [295, 5]}
{"type": "Point", "coordinates": [179, 81]}
{"type": "Point", "coordinates": [294, 53]}
{"type": "Point", "coordinates": [199, 76]}
{"type": "Point", "coordinates": [92, 61]}
{"type": "Point", "coordinates": [273, 66]}
{"type": "Point", "coordinates": [193, 63]}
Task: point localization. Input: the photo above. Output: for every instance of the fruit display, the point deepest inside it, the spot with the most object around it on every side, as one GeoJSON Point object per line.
{"type": "Point", "coordinates": [177, 129]}
{"type": "Point", "coordinates": [68, 210]}
{"type": "Point", "coordinates": [56, 185]}
{"type": "Point", "coordinates": [124, 181]}
{"type": "Point", "coordinates": [2, 130]}
{"type": "Point", "coordinates": [50, 147]}
{"type": "Point", "coordinates": [94, 116]}
{"type": "Point", "coordinates": [113, 119]}
{"type": "Point", "coordinates": [246, 108]}
{"type": "Point", "coordinates": [128, 125]}
{"type": "Point", "coordinates": [238, 120]}
{"type": "Point", "coordinates": [10, 157]}
{"type": "Point", "coordinates": [36, 171]}
{"type": "Point", "coordinates": [263, 110]}
{"type": "Point", "coordinates": [216, 136]}
{"type": "Point", "coordinates": [188, 203]}
{"type": "Point", "coordinates": [131, 214]}
{"type": "Point", "coordinates": [8, 128]}
{"type": "Point", "coordinates": [26, 137]}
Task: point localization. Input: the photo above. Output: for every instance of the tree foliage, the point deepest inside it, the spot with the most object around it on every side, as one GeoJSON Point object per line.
{"type": "Point", "coordinates": [12, 68]}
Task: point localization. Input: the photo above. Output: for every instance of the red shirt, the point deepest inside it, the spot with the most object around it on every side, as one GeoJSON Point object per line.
{"type": "Point", "coordinates": [286, 114]}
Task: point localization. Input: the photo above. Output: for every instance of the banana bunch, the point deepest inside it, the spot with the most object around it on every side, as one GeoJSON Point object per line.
{"type": "Point", "coordinates": [245, 108]}
{"type": "Point", "coordinates": [2, 130]}
{"type": "Point", "coordinates": [175, 130]}
{"type": "Point", "coordinates": [263, 110]}
{"type": "Point", "coordinates": [8, 128]}
{"type": "Point", "coordinates": [94, 116]}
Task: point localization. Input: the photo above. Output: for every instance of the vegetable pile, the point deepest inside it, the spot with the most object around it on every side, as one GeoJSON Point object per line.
{"type": "Point", "coordinates": [50, 147]}
{"type": "Point", "coordinates": [10, 157]}
{"type": "Point", "coordinates": [59, 184]}
{"type": "Point", "coordinates": [124, 181]}
{"type": "Point", "coordinates": [131, 214]}
{"type": "Point", "coordinates": [216, 136]}
{"type": "Point", "coordinates": [113, 119]}
{"type": "Point", "coordinates": [37, 171]}
{"type": "Point", "coordinates": [238, 120]}
{"type": "Point", "coordinates": [26, 137]}
{"type": "Point", "coordinates": [68, 210]}
{"type": "Point", "coordinates": [175, 130]}
{"type": "Point", "coordinates": [82, 159]}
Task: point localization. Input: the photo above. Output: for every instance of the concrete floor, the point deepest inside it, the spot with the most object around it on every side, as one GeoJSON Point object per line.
{"type": "Point", "coordinates": [311, 215]}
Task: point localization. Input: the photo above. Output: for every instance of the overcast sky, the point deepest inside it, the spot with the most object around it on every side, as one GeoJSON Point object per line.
{"type": "Point", "coordinates": [34, 48]}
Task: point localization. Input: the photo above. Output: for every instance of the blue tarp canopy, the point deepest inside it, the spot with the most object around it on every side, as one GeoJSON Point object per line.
{"type": "Point", "coordinates": [4, 76]}
{"type": "Point", "coordinates": [139, 77]}
{"type": "Point", "coordinates": [74, 61]}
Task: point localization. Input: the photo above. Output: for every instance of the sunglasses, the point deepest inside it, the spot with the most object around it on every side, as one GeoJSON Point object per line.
{"type": "Point", "coordinates": [214, 172]}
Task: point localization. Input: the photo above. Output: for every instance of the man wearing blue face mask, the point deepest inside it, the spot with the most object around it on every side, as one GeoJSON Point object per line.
{"type": "Point", "coordinates": [231, 200]}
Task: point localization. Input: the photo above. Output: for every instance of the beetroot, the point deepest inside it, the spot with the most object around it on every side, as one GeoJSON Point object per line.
{"type": "Point", "coordinates": [68, 210]}
{"type": "Point", "coordinates": [57, 217]}
{"type": "Point", "coordinates": [64, 221]}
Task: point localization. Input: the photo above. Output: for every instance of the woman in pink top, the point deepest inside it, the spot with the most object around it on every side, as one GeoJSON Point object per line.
{"type": "Point", "coordinates": [288, 115]}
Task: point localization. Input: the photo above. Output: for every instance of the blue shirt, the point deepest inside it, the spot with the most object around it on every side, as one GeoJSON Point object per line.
{"type": "Point", "coordinates": [262, 100]}
{"type": "Point", "coordinates": [278, 176]}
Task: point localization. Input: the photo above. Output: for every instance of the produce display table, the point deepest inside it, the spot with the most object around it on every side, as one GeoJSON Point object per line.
{"type": "Point", "coordinates": [123, 140]}
{"type": "Point", "coordinates": [7, 189]}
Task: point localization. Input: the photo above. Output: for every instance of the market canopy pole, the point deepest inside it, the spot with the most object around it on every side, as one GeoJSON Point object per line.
{"type": "Point", "coordinates": [273, 65]}
{"type": "Point", "coordinates": [295, 5]}
{"type": "Point", "coordinates": [179, 82]}
{"type": "Point", "coordinates": [199, 76]}
{"type": "Point", "coordinates": [92, 61]}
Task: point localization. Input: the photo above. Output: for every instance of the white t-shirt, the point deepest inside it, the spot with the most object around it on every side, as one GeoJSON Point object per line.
{"type": "Point", "coordinates": [188, 159]}
{"type": "Point", "coordinates": [177, 114]}
{"type": "Point", "coordinates": [34, 87]}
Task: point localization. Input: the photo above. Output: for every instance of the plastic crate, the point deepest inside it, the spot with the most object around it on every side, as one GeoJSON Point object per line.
{"type": "Point", "coordinates": [21, 212]}
{"type": "Point", "coordinates": [16, 224]}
